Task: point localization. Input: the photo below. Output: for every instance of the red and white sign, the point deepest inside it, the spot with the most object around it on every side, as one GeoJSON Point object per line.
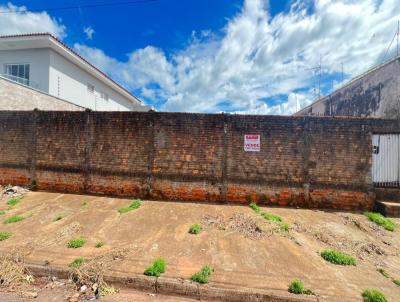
{"type": "Point", "coordinates": [252, 143]}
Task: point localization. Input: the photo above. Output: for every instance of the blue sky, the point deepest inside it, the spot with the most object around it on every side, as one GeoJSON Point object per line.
{"type": "Point", "coordinates": [252, 56]}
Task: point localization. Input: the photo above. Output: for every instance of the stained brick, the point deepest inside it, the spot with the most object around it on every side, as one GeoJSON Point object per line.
{"type": "Point", "coordinates": [194, 157]}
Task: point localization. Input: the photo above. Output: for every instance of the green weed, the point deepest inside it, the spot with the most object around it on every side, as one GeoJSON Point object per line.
{"type": "Point", "coordinates": [283, 226]}
{"type": "Point", "coordinates": [373, 295]}
{"type": "Point", "coordinates": [2, 212]}
{"type": "Point", "coordinates": [14, 201]}
{"type": "Point", "coordinates": [156, 269]}
{"type": "Point", "coordinates": [297, 287]}
{"type": "Point", "coordinates": [85, 203]}
{"type": "Point", "coordinates": [271, 217]}
{"type": "Point", "coordinates": [14, 219]}
{"type": "Point", "coordinates": [77, 262]}
{"type": "Point", "coordinates": [337, 257]}
{"type": "Point", "coordinates": [383, 272]}
{"type": "Point", "coordinates": [195, 229]}
{"type": "Point", "coordinates": [203, 275]}
{"type": "Point", "coordinates": [134, 205]}
{"type": "Point", "coordinates": [99, 244]}
{"type": "Point", "coordinates": [5, 235]}
{"type": "Point", "coordinates": [386, 223]}
{"type": "Point", "coordinates": [76, 243]}
{"type": "Point", "coordinates": [255, 207]}
{"type": "Point", "coordinates": [396, 281]}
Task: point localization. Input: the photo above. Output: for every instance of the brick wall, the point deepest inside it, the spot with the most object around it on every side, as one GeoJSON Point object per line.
{"type": "Point", "coordinates": [304, 161]}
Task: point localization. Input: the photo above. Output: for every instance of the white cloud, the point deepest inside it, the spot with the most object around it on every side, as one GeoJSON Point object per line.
{"type": "Point", "coordinates": [21, 21]}
{"type": "Point", "coordinates": [89, 32]}
{"type": "Point", "coordinates": [260, 57]}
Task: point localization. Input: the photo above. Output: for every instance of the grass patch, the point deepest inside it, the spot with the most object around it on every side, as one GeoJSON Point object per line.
{"type": "Point", "coordinates": [271, 217]}
{"type": "Point", "coordinates": [76, 243]}
{"type": "Point", "coordinates": [337, 257]}
{"type": "Point", "coordinates": [2, 212]}
{"type": "Point", "coordinates": [373, 295]}
{"type": "Point", "coordinates": [77, 262]}
{"type": "Point", "coordinates": [386, 223]}
{"type": "Point", "coordinates": [134, 205]}
{"type": "Point", "coordinates": [383, 272]}
{"type": "Point", "coordinates": [195, 229]}
{"type": "Point", "coordinates": [255, 207]}
{"type": "Point", "coordinates": [99, 244]}
{"type": "Point", "coordinates": [156, 269]}
{"type": "Point", "coordinates": [203, 275]}
{"type": "Point", "coordinates": [58, 217]}
{"type": "Point", "coordinates": [14, 219]}
{"type": "Point", "coordinates": [396, 281]}
{"type": "Point", "coordinates": [283, 226]}
{"type": "Point", "coordinates": [14, 201]}
{"type": "Point", "coordinates": [297, 287]}
{"type": "Point", "coordinates": [5, 235]}
{"type": "Point", "coordinates": [85, 203]}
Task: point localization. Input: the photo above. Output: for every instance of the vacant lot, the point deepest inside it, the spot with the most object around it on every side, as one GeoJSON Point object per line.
{"type": "Point", "coordinates": [244, 248]}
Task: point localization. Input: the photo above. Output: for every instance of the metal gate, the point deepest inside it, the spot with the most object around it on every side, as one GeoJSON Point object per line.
{"type": "Point", "coordinates": [386, 160]}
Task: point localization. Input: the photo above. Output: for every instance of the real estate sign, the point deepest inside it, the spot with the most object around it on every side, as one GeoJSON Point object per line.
{"type": "Point", "coordinates": [252, 143]}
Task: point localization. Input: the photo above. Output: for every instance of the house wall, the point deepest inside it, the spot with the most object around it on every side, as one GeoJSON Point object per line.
{"type": "Point", "coordinates": [15, 96]}
{"type": "Point", "coordinates": [304, 161]}
{"type": "Point", "coordinates": [376, 93]}
{"type": "Point", "coordinates": [69, 82]}
{"type": "Point", "coordinates": [39, 60]}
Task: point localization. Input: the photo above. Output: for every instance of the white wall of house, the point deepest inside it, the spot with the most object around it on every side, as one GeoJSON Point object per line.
{"type": "Point", "coordinates": [70, 82]}
{"type": "Point", "coordinates": [38, 59]}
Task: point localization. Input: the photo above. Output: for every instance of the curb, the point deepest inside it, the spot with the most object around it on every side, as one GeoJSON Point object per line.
{"type": "Point", "coordinates": [179, 287]}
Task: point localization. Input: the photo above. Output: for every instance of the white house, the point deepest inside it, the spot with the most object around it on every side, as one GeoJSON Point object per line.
{"type": "Point", "coordinates": [44, 63]}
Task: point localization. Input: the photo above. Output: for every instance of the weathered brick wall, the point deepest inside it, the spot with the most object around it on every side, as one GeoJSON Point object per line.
{"type": "Point", "coordinates": [304, 161]}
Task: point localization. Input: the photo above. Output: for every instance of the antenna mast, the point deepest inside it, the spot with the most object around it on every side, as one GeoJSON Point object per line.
{"type": "Point", "coordinates": [398, 33]}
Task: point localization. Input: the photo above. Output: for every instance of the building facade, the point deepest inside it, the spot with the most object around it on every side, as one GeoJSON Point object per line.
{"type": "Point", "coordinates": [44, 63]}
{"type": "Point", "coordinates": [375, 93]}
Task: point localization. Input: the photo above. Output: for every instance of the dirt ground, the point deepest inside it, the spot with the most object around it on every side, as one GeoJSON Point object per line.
{"type": "Point", "coordinates": [45, 293]}
{"type": "Point", "coordinates": [244, 249]}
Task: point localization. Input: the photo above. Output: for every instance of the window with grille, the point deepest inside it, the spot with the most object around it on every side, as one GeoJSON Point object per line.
{"type": "Point", "coordinates": [18, 72]}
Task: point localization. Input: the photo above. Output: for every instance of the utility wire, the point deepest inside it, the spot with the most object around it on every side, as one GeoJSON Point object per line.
{"type": "Point", "coordinates": [78, 6]}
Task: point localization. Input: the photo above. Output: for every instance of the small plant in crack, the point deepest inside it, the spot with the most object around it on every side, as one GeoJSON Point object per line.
{"type": "Point", "coordinates": [386, 223]}
{"type": "Point", "coordinates": [4, 235]}
{"type": "Point", "coordinates": [338, 257]}
{"type": "Point", "coordinates": [203, 275]}
{"type": "Point", "coordinates": [283, 226]}
{"type": "Point", "coordinates": [133, 206]}
{"type": "Point", "coordinates": [76, 243]}
{"type": "Point", "coordinates": [14, 219]}
{"type": "Point", "coordinates": [99, 244]}
{"type": "Point", "coordinates": [156, 269]}
{"type": "Point", "coordinates": [14, 201]}
{"type": "Point", "coordinates": [297, 287]}
{"type": "Point", "coordinates": [373, 295]}
{"type": "Point", "coordinates": [195, 229]}
{"type": "Point", "coordinates": [77, 262]}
